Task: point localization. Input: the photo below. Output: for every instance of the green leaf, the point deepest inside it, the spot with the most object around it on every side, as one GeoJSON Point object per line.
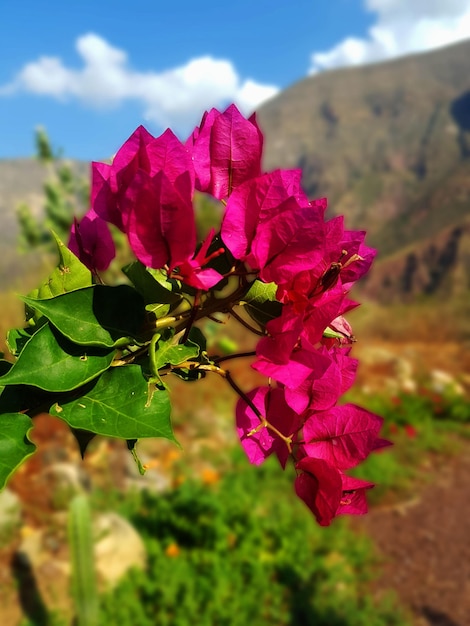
{"type": "Point", "coordinates": [69, 274]}
{"type": "Point", "coordinates": [99, 315]}
{"type": "Point", "coordinates": [260, 292]}
{"type": "Point", "coordinates": [15, 445]}
{"type": "Point", "coordinates": [332, 334]}
{"type": "Point", "coordinates": [260, 301]}
{"type": "Point", "coordinates": [119, 405]}
{"type": "Point", "coordinates": [53, 363]}
{"type": "Point", "coordinates": [131, 447]}
{"type": "Point", "coordinates": [17, 338]}
{"type": "Point", "coordinates": [16, 398]}
{"type": "Point", "coordinates": [169, 353]}
{"type": "Point", "coordinates": [5, 366]}
{"type": "Point", "coordinates": [159, 310]}
{"type": "Point", "coordinates": [151, 284]}
{"type": "Point", "coordinates": [196, 336]}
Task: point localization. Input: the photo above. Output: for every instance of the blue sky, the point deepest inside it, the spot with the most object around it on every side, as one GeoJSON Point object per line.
{"type": "Point", "coordinates": [91, 71]}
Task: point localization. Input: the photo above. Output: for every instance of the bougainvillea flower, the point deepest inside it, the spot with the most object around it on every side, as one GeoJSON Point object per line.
{"type": "Point", "coordinates": [192, 272]}
{"type": "Point", "coordinates": [306, 324]}
{"type": "Point", "coordinates": [270, 233]}
{"type": "Point", "coordinates": [142, 154]}
{"type": "Point", "coordinates": [160, 220]}
{"type": "Point", "coordinates": [226, 151]}
{"type": "Point", "coordinates": [107, 180]}
{"type": "Point", "coordinates": [343, 330]}
{"type": "Point", "coordinates": [91, 241]}
{"type": "Point", "coordinates": [270, 224]}
{"type": "Point", "coordinates": [253, 201]}
{"type": "Point", "coordinates": [353, 499]}
{"type": "Point", "coordinates": [346, 255]}
{"type": "Point", "coordinates": [343, 435]}
{"type": "Point", "coordinates": [320, 486]}
{"type": "Point", "coordinates": [257, 440]}
{"type": "Point", "coordinates": [311, 378]}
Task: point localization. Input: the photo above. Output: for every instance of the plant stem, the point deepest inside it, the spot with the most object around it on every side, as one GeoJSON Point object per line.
{"type": "Point", "coordinates": [239, 319]}
{"type": "Point", "coordinates": [238, 355]}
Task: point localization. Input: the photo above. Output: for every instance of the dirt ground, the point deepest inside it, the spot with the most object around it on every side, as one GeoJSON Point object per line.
{"type": "Point", "coordinates": [424, 544]}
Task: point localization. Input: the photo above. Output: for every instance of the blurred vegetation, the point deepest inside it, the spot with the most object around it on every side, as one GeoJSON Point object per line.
{"type": "Point", "coordinates": [218, 552]}
{"type": "Point", "coordinates": [218, 556]}
{"type": "Point", "coordinates": [65, 196]}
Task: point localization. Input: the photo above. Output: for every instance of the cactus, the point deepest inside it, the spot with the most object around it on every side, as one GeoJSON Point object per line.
{"type": "Point", "coordinates": [84, 583]}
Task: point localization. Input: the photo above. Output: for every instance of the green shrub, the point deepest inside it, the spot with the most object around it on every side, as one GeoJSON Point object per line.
{"type": "Point", "coordinates": [241, 552]}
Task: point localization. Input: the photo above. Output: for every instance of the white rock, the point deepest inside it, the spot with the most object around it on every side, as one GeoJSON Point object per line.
{"type": "Point", "coordinates": [118, 547]}
{"type": "Point", "coordinates": [10, 511]}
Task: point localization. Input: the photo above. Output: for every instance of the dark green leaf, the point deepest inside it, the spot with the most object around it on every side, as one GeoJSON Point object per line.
{"type": "Point", "coordinates": [119, 405]}
{"type": "Point", "coordinates": [16, 398]}
{"type": "Point", "coordinates": [146, 283]}
{"type": "Point", "coordinates": [197, 336]}
{"type": "Point", "coordinates": [53, 363]}
{"type": "Point", "coordinates": [260, 302]}
{"type": "Point", "coordinates": [5, 366]}
{"type": "Point", "coordinates": [83, 438]}
{"type": "Point", "coordinates": [17, 338]}
{"type": "Point", "coordinates": [99, 315]}
{"type": "Point", "coordinates": [15, 445]}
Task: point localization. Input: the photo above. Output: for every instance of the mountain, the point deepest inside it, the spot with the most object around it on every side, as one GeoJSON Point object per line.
{"type": "Point", "coordinates": [389, 145]}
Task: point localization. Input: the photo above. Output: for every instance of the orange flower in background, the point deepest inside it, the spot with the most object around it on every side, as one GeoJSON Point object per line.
{"type": "Point", "coordinates": [172, 550]}
{"type": "Point", "coordinates": [210, 476]}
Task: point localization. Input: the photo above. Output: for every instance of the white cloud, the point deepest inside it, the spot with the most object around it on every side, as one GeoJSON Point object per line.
{"type": "Point", "coordinates": [402, 27]}
{"type": "Point", "coordinates": [176, 97]}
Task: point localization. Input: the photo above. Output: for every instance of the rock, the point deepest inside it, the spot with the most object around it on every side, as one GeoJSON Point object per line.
{"type": "Point", "coordinates": [65, 481]}
{"type": "Point", "coordinates": [10, 513]}
{"type": "Point", "coordinates": [118, 548]}
{"type": "Point", "coordinates": [443, 381]}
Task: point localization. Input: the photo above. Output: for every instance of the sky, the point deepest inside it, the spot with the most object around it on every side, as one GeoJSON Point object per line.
{"type": "Point", "coordinates": [90, 72]}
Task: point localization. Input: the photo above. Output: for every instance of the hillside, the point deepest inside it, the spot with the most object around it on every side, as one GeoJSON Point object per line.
{"type": "Point", "coordinates": [389, 144]}
{"type": "Point", "coordinates": [21, 181]}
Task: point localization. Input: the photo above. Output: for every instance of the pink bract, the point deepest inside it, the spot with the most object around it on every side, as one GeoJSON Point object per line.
{"type": "Point", "coordinates": [320, 486]}
{"type": "Point", "coordinates": [91, 241]}
{"type": "Point", "coordinates": [226, 151]}
{"type": "Point", "coordinates": [270, 224]}
{"type": "Point", "coordinates": [258, 441]}
{"type": "Point", "coordinates": [343, 435]}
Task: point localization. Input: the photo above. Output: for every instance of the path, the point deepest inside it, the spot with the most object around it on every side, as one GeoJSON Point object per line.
{"type": "Point", "coordinates": [425, 545]}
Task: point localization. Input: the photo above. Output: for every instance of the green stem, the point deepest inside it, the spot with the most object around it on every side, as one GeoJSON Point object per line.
{"type": "Point", "coordinates": [83, 570]}
{"type": "Point", "coordinates": [153, 354]}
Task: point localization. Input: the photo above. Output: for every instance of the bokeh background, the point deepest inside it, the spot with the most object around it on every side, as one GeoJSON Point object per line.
{"type": "Point", "coordinates": [372, 100]}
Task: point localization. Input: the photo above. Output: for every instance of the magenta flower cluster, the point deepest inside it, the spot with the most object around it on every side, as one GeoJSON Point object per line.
{"type": "Point", "coordinates": [277, 235]}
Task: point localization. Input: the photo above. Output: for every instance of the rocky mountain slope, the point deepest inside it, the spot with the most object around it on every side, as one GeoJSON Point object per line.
{"type": "Point", "coordinates": [389, 144]}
